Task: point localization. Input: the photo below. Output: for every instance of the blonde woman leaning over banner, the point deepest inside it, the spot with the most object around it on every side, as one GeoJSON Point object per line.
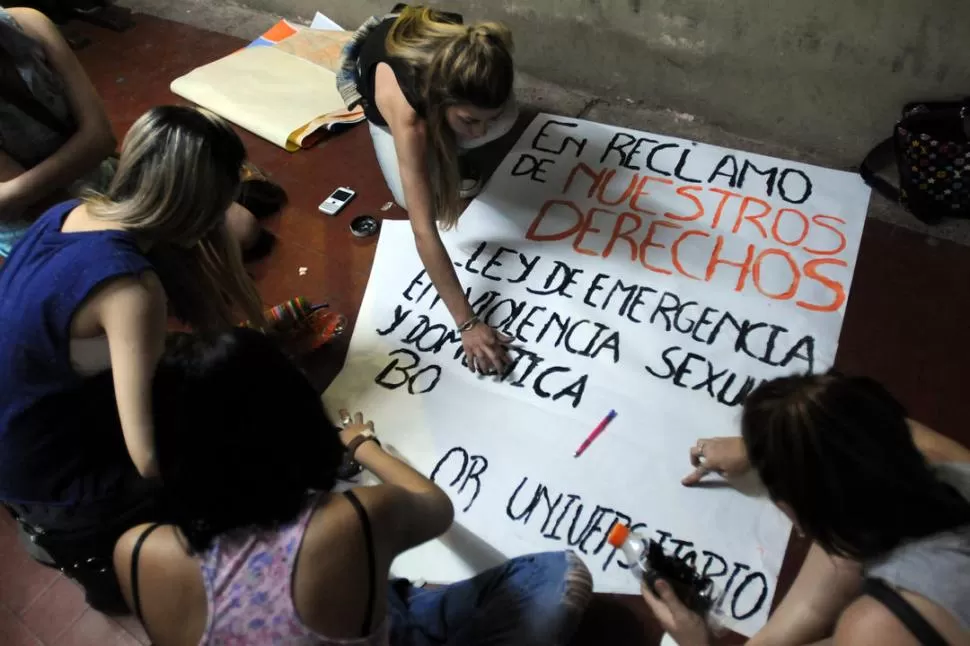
{"type": "Point", "coordinates": [433, 87]}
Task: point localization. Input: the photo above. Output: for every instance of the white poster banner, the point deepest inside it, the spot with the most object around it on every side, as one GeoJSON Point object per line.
{"type": "Point", "coordinates": [654, 276]}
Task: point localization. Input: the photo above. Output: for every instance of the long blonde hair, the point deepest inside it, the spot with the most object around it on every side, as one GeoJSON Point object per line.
{"type": "Point", "coordinates": [178, 173]}
{"type": "Point", "coordinates": [453, 64]}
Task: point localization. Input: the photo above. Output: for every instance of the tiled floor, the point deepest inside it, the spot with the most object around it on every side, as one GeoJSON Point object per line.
{"type": "Point", "coordinates": [905, 325]}
{"type": "Point", "coordinates": [39, 605]}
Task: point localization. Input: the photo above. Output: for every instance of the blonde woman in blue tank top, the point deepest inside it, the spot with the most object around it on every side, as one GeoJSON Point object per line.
{"type": "Point", "coordinates": [85, 301]}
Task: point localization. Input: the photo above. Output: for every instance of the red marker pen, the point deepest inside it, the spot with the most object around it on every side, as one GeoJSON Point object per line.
{"type": "Point", "coordinates": [595, 434]}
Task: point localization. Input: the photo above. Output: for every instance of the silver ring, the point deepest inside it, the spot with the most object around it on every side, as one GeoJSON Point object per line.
{"type": "Point", "coordinates": [346, 421]}
{"type": "Point", "coordinates": [701, 460]}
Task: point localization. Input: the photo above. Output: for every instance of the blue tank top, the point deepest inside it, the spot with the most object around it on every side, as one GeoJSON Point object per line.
{"type": "Point", "coordinates": [60, 438]}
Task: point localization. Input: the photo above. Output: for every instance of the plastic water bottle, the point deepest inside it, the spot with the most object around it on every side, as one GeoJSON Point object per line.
{"type": "Point", "coordinates": [648, 563]}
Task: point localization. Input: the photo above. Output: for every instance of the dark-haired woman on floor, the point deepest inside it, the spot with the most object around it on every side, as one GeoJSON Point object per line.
{"type": "Point", "coordinates": [54, 133]}
{"type": "Point", "coordinates": [262, 552]}
{"type": "Point", "coordinates": [56, 140]}
{"type": "Point", "coordinates": [885, 500]}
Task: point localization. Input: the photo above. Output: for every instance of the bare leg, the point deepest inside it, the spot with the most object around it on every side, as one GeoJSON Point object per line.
{"type": "Point", "coordinates": [242, 225]}
{"type": "Point", "coordinates": [9, 168]}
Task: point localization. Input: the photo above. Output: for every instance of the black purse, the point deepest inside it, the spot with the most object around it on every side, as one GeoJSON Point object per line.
{"type": "Point", "coordinates": [931, 146]}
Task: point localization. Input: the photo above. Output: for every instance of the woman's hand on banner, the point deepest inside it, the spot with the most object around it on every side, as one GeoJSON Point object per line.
{"type": "Point", "coordinates": [485, 349]}
{"type": "Point", "coordinates": [353, 425]}
{"type": "Point", "coordinates": [725, 456]}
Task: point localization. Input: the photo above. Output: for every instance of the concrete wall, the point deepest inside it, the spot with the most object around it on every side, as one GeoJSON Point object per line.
{"type": "Point", "coordinates": [826, 75]}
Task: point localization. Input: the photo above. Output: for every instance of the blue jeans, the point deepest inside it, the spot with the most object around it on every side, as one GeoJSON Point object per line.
{"type": "Point", "coordinates": [529, 601]}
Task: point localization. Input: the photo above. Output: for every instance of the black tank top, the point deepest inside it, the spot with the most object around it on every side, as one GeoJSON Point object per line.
{"type": "Point", "coordinates": [374, 51]}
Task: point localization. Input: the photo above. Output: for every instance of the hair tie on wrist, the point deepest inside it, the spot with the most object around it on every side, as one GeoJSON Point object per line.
{"type": "Point", "coordinates": [469, 324]}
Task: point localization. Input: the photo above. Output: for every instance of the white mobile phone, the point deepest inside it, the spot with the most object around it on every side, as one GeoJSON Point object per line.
{"type": "Point", "coordinates": [337, 200]}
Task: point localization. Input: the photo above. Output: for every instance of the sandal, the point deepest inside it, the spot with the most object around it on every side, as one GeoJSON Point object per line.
{"type": "Point", "coordinates": [258, 193]}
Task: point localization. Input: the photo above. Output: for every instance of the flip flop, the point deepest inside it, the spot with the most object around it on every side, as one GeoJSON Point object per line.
{"type": "Point", "coordinates": [258, 193]}
{"type": "Point", "coordinates": [262, 197]}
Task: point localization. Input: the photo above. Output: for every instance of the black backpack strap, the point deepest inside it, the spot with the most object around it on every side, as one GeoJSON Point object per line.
{"type": "Point", "coordinates": [371, 561]}
{"type": "Point", "coordinates": [135, 553]}
{"type": "Point", "coordinates": [911, 618]}
{"type": "Point", "coordinates": [867, 169]}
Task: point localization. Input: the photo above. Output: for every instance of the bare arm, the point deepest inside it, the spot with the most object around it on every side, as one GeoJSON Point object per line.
{"type": "Point", "coordinates": [484, 347]}
{"type": "Point", "coordinates": [410, 141]}
{"type": "Point", "coordinates": [132, 312]}
{"type": "Point", "coordinates": [937, 448]}
{"type": "Point", "coordinates": [729, 457]}
{"type": "Point", "coordinates": [825, 585]}
{"type": "Point", "coordinates": [93, 140]}
{"type": "Point", "coordinates": [412, 508]}
{"type": "Point", "coordinates": [411, 147]}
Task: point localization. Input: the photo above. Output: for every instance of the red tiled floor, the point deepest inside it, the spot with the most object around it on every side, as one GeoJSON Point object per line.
{"type": "Point", "coordinates": [134, 627]}
{"type": "Point", "coordinates": [94, 629]}
{"type": "Point", "coordinates": [56, 610]}
{"type": "Point", "coordinates": [13, 632]}
{"type": "Point", "coordinates": [9, 541]}
{"type": "Point", "coordinates": [908, 305]}
{"type": "Point", "coordinates": [22, 581]}
{"type": "Point", "coordinates": [906, 323]}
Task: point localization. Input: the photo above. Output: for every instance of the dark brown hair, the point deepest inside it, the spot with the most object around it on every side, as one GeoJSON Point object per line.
{"type": "Point", "coordinates": [839, 451]}
{"type": "Point", "coordinates": [241, 435]}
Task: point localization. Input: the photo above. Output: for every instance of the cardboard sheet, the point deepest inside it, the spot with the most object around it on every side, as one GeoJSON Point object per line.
{"type": "Point", "coordinates": [276, 95]}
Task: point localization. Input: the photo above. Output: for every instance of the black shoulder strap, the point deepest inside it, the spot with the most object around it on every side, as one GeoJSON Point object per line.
{"type": "Point", "coordinates": [371, 560]}
{"type": "Point", "coordinates": [135, 553]}
{"type": "Point", "coordinates": [882, 150]}
{"type": "Point", "coordinates": [896, 604]}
